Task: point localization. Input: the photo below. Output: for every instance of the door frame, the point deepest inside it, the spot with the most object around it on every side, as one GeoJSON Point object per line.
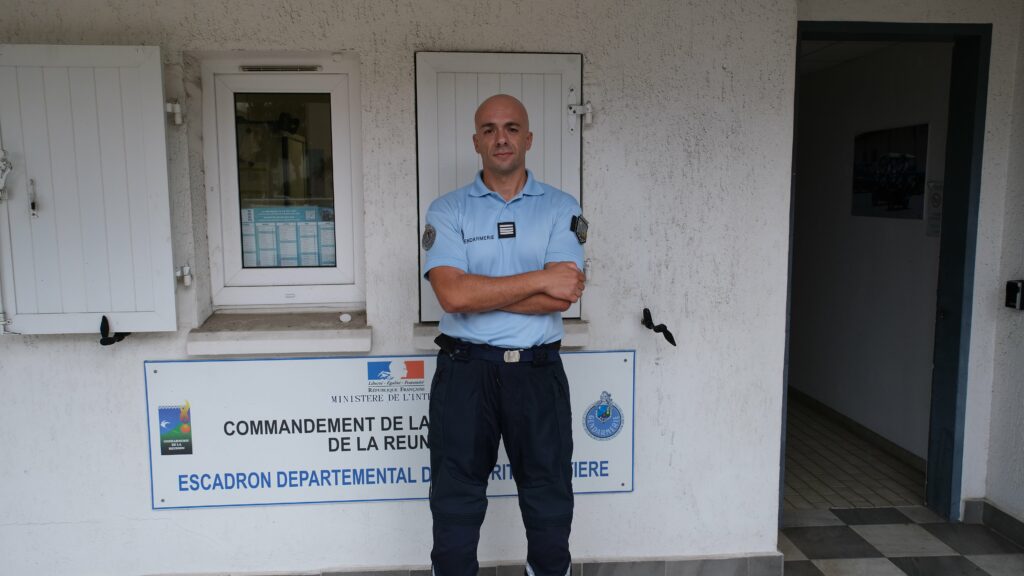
{"type": "Point", "coordinates": [957, 245]}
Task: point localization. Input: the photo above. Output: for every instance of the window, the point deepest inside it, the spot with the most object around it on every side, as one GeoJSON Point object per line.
{"type": "Point", "coordinates": [284, 180]}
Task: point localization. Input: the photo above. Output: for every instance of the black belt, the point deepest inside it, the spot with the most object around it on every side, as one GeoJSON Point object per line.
{"type": "Point", "coordinates": [462, 350]}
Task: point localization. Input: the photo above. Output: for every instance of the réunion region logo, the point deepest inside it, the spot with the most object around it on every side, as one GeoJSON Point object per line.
{"type": "Point", "coordinates": [395, 373]}
{"type": "Point", "coordinates": [175, 429]}
{"type": "Point", "coordinates": [603, 419]}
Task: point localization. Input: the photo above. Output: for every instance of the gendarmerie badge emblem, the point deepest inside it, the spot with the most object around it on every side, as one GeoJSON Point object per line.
{"type": "Point", "coordinates": [579, 226]}
{"type": "Point", "coordinates": [603, 419]}
{"type": "Point", "coordinates": [429, 235]}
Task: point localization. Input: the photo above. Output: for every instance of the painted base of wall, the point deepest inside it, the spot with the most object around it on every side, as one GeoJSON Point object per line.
{"type": "Point", "coordinates": [769, 565]}
{"type": "Point", "coordinates": [983, 512]}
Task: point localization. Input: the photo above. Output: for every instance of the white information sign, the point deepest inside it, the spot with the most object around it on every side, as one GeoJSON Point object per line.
{"type": "Point", "coordinates": [286, 431]}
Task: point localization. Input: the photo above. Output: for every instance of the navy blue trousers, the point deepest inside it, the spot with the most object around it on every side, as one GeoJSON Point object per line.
{"type": "Point", "coordinates": [473, 404]}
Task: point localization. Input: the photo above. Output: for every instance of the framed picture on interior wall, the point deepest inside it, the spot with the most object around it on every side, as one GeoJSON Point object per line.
{"type": "Point", "coordinates": [889, 172]}
{"type": "Point", "coordinates": [293, 166]}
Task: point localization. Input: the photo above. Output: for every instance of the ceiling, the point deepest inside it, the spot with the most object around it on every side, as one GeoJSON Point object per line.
{"type": "Point", "coordinates": [816, 56]}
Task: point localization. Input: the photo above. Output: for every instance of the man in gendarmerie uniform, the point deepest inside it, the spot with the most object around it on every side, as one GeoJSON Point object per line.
{"type": "Point", "coordinates": [505, 258]}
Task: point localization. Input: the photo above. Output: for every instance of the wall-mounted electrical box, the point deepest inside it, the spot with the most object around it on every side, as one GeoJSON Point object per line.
{"type": "Point", "coordinates": [1015, 294]}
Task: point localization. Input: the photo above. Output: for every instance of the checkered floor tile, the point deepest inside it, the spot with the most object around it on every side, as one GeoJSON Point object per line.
{"type": "Point", "coordinates": [892, 540]}
{"type": "Point", "coordinates": [851, 509]}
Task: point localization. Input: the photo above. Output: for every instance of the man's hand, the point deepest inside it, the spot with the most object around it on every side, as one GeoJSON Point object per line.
{"type": "Point", "coordinates": [542, 303]}
{"type": "Point", "coordinates": [564, 281]}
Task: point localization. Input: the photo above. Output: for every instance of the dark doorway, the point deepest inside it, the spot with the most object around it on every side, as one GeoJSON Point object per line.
{"type": "Point", "coordinates": [925, 211]}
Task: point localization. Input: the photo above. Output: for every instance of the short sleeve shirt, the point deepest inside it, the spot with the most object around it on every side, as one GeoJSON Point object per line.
{"type": "Point", "coordinates": [478, 232]}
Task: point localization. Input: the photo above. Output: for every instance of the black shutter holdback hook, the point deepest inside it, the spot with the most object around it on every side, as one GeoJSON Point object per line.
{"type": "Point", "coordinates": [105, 338]}
{"type": "Point", "coordinates": [648, 322]}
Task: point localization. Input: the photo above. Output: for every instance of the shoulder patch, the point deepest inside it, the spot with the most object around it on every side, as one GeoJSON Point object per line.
{"type": "Point", "coordinates": [429, 235]}
{"type": "Point", "coordinates": [579, 226]}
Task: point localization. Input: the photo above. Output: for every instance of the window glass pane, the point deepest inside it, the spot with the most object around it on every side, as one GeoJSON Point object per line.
{"type": "Point", "coordinates": [285, 179]}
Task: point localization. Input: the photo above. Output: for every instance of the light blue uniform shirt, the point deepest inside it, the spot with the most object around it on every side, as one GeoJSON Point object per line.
{"type": "Point", "coordinates": [466, 226]}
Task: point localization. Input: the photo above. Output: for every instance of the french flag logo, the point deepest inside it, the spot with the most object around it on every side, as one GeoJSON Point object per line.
{"type": "Point", "coordinates": [395, 370]}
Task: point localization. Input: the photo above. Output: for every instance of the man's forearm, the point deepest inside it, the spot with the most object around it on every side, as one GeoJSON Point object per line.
{"type": "Point", "coordinates": [469, 293]}
{"type": "Point", "coordinates": [538, 304]}
{"type": "Point", "coordinates": [463, 293]}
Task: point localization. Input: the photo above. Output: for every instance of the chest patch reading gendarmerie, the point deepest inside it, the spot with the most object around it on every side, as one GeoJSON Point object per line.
{"type": "Point", "coordinates": [506, 229]}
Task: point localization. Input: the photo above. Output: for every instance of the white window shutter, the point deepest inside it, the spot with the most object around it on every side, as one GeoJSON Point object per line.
{"type": "Point", "coordinates": [84, 129]}
{"type": "Point", "coordinates": [450, 86]}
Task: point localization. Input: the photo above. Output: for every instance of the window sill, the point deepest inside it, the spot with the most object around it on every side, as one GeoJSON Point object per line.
{"type": "Point", "coordinates": [577, 335]}
{"type": "Point", "coordinates": [231, 334]}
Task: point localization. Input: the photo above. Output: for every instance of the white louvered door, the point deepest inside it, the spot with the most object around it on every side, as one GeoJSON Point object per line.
{"type": "Point", "coordinates": [85, 226]}
{"type": "Point", "coordinates": [450, 86]}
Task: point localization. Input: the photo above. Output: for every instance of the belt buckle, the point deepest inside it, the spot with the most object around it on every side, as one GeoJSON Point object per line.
{"type": "Point", "coordinates": [511, 356]}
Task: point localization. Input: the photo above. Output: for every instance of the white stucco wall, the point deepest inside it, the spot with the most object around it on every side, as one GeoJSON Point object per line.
{"type": "Point", "coordinates": [1005, 16]}
{"type": "Point", "coordinates": [1005, 487]}
{"type": "Point", "coordinates": [864, 288]}
{"type": "Point", "coordinates": [686, 187]}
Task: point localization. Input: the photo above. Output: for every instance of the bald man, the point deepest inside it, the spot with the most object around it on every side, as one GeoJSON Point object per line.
{"type": "Point", "coordinates": [505, 258]}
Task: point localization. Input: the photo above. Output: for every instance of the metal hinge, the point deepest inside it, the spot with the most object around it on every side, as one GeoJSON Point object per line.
{"type": "Point", "coordinates": [184, 273]}
{"type": "Point", "coordinates": [173, 109]}
{"type": "Point", "coordinates": [577, 110]}
{"type": "Point", "coordinates": [5, 170]}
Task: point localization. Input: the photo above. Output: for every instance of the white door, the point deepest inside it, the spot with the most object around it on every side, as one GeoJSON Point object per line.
{"type": "Point", "coordinates": [85, 222]}
{"type": "Point", "coordinates": [450, 86]}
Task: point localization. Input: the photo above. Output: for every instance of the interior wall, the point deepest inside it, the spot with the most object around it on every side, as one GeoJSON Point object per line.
{"type": "Point", "coordinates": [685, 185]}
{"type": "Point", "coordinates": [996, 187]}
{"type": "Point", "coordinates": [1005, 486]}
{"type": "Point", "coordinates": [864, 287]}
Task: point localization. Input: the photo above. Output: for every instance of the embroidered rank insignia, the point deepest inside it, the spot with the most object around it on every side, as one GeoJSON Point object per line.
{"type": "Point", "coordinates": [579, 226]}
{"type": "Point", "coordinates": [429, 235]}
{"type": "Point", "coordinates": [506, 229]}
